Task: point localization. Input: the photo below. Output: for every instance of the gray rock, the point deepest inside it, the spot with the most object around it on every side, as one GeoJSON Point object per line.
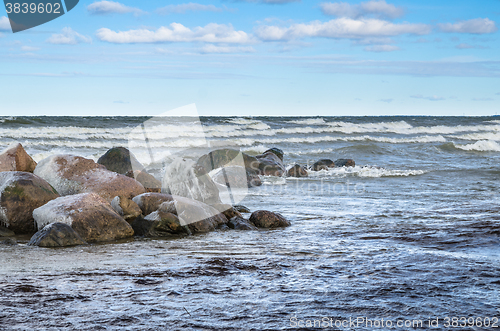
{"type": "Point", "coordinates": [345, 163]}
{"type": "Point", "coordinates": [267, 219]}
{"type": "Point", "coordinates": [159, 224]}
{"type": "Point", "coordinates": [56, 235]}
{"type": "Point", "coordinates": [297, 171]}
{"type": "Point", "coordinates": [126, 208]}
{"type": "Point", "coordinates": [4, 232]}
{"type": "Point", "coordinates": [242, 209]}
{"type": "Point", "coordinates": [9, 242]}
{"type": "Point", "coordinates": [239, 223]}
{"type": "Point", "coordinates": [323, 164]}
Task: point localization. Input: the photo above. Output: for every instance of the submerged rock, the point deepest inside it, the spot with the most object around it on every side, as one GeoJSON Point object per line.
{"type": "Point", "coordinates": [4, 232]}
{"type": "Point", "coordinates": [70, 174]}
{"type": "Point", "coordinates": [227, 210]}
{"type": "Point", "coordinates": [345, 163]}
{"type": "Point", "coordinates": [56, 235]}
{"type": "Point", "coordinates": [276, 151]}
{"type": "Point", "coordinates": [239, 223]}
{"type": "Point", "coordinates": [88, 214]}
{"type": "Point", "coordinates": [20, 194]}
{"type": "Point", "coordinates": [297, 171]}
{"type": "Point", "coordinates": [126, 208]}
{"type": "Point", "coordinates": [15, 158]}
{"type": "Point", "coordinates": [323, 164]}
{"type": "Point", "coordinates": [270, 164]}
{"type": "Point", "coordinates": [267, 219]}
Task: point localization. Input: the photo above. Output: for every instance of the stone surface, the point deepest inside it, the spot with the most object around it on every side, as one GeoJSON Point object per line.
{"type": "Point", "coordinates": [91, 216]}
{"type": "Point", "coordinates": [70, 174]}
{"type": "Point", "coordinates": [242, 209]}
{"type": "Point", "coordinates": [8, 242]}
{"type": "Point", "coordinates": [267, 219]}
{"type": "Point", "coordinates": [120, 160]}
{"type": "Point", "coordinates": [150, 202]}
{"type": "Point", "coordinates": [323, 164]}
{"type": "Point", "coordinates": [4, 232]}
{"type": "Point", "coordinates": [345, 163]}
{"type": "Point", "coordinates": [297, 171]}
{"type": "Point", "coordinates": [270, 164]}
{"type": "Point", "coordinates": [159, 224]}
{"type": "Point", "coordinates": [126, 208]}
{"type": "Point", "coordinates": [227, 210]}
{"type": "Point", "coordinates": [276, 151]}
{"type": "Point", "coordinates": [150, 183]}
{"type": "Point", "coordinates": [15, 158]}
{"type": "Point", "coordinates": [20, 194]}
{"type": "Point", "coordinates": [236, 177]}
{"type": "Point", "coordinates": [56, 235]}
{"type": "Point", "coordinates": [239, 223]}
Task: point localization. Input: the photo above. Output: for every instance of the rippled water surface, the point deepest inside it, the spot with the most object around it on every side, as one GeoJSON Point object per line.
{"type": "Point", "coordinates": [411, 233]}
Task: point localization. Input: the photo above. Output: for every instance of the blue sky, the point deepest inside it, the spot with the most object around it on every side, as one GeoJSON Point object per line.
{"type": "Point", "coordinates": [259, 57]}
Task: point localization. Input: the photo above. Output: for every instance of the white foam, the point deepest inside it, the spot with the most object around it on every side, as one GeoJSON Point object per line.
{"type": "Point", "coordinates": [481, 146]}
{"type": "Point", "coordinates": [367, 171]}
{"type": "Point", "coordinates": [309, 121]}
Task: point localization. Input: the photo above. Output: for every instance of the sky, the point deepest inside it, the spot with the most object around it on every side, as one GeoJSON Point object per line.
{"type": "Point", "coordinates": [256, 58]}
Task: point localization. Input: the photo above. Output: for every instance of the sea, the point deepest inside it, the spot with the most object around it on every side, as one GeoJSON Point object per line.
{"type": "Point", "coordinates": [407, 239]}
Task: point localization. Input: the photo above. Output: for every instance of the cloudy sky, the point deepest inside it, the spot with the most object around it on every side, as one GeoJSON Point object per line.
{"type": "Point", "coordinates": [256, 57]}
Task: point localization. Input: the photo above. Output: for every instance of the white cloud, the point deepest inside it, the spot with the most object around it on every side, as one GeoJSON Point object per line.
{"type": "Point", "coordinates": [29, 48]}
{"type": "Point", "coordinates": [4, 24]}
{"type": "Point", "coordinates": [269, 2]}
{"type": "Point", "coordinates": [341, 28]}
{"type": "Point", "coordinates": [185, 7]}
{"type": "Point", "coordinates": [475, 26]}
{"type": "Point", "coordinates": [111, 7]}
{"type": "Point", "coordinates": [68, 36]}
{"type": "Point", "coordinates": [376, 8]}
{"type": "Point", "coordinates": [210, 49]}
{"type": "Point", "coordinates": [430, 98]}
{"type": "Point", "coordinates": [176, 32]}
{"type": "Point", "coordinates": [382, 48]}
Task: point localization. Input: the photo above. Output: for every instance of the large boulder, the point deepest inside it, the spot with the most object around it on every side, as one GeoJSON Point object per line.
{"type": "Point", "coordinates": [126, 208]}
{"type": "Point", "coordinates": [150, 183]}
{"type": "Point", "coordinates": [198, 216]}
{"type": "Point", "coordinates": [187, 179]}
{"type": "Point", "coordinates": [91, 216]}
{"type": "Point", "coordinates": [160, 223]}
{"type": "Point", "coordinates": [345, 163]}
{"type": "Point", "coordinates": [236, 177]}
{"type": "Point", "coordinates": [120, 160]}
{"type": "Point", "coordinates": [297, 171]}
{"type": "Point", "coordinates": [323, 164]}
{"type": "Point", "coordinates": [20, 194]}
{"type": "Point", "coordinates": [70, 174]}
{"type": "Point", "coordinates": [239, 223]}
{"type": "Point", "coordinates": [227, 210]}
{"type": "Point", "coordinates": [267, 219]}
{"type": "Point", "coordinates": [56, 235]}
{"type": "Point", "coordinates": [269, 163]}
{"type": "Point", "coordinates": [15, 158]}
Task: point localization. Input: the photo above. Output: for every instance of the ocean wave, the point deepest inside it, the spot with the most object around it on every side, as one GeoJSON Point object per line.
{"type": "Point", "coordinates": [366, 171]}
{"type": "Point", "coordinates": [309, 121]}
{"type": "Point", "coordinates": [480, 146]}
{"type": "Point", "coordinates": [479, 136]}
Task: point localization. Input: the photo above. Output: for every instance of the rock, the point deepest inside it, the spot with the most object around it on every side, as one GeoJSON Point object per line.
{"type": "Point", "coordinates": [276, 151]}
{"type": "Point", "coordinates": [187, 179]}
{"type": "Point", "coordinates": [120, 160]}
{"type": "Point", "coordinates": [126, 208]}
{"type": "Point", "coordinates": [228, 210]}
{"type": "Point", "coordinates": [323, 164]}
{"type": "Point", "coordinates": [150, 202]}
{"type": "Point", "coordinates": [198, 216]}
{"type": "Point", "coordinates": [159, 224]}
{"type": "Point", "coordinates": [268, 163]}
{"type": "Point", "coordinates": [91, 216]}
{"type": "Point", "coordinates": [297, 171]}
{"type": "Point", "coordinates": [242, 209]}
{"type": "Point", "coordinates": [239, 223]}
{"type": "Point", "coordinates": [20, 194]}
{"type": "Point", "coordinates": [70, 174]}
{"type": "Point", "coordinates": [345, 163]}
{"type": "Point", "coordinates": [15, 158]}
{"type": "Point", "coordinates": [267, 219]}
{"type": "Point", "coordinates": [9, 242]}
{"type": "Point", "coordinates": [236, 177]}
{"type": "Point", "coordinates": [150, 183]}
{"type": "Point", "coordinates": [4, 232]}
{"type": "Point", "coordinates": [56, 235]}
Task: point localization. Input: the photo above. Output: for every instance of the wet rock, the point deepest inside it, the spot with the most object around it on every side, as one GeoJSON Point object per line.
{"type": "Point", "coordinates": [126, 208]}
{"type": "Point", "coordinates": [345, 163]}
{"type": "Point", "coordinates": [15, 158]}
{"type": "Point", "coordinates": [150, 183]}
{"type": "Point", "coordinates": [227, 210]}
{"type": "Point", "coordinates": [187, 179]}
{"type": "Point", "coordinates": [8, 242]}
{"type": "Point", "coordinates": [268, 163]}
{"type": "Point", "coordinates": [236, 177]}
{"type": "Point", "coordinates": [120, 160]}
{"type": "Point", "coordinates": [150, 202]}
{"type": "Point", "coordinates": [323, 164]}
{"type": "Point", "coordinates": [239, 223]}
{"type": "Point", "coordinates": [4, 232]}
{"type": "Point", "coordinates": [70, 174]}
{"type": "Point", "coordinates": [20, 194]}
{"type": "Point", "coordinates": [276, 151]}
{"type": "Point", "coordinates": [242, 209]}
{"type": "Point", "coordinates": [199, 216]}
{"type": "Point", "coordinates": [159, 224]}
{"type": "Point", "coordinates": [91, 216]}
{"type": "Point", "coordinates": [297, 171]}
{"type": "Point", "coordinates": [56, 235]}
{"type": "Point", "coordinates": [267, 219]}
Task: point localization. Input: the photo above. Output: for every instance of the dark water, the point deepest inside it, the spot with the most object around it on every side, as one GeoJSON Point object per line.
{"type": "Point", "coordinates": [411, 233]}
